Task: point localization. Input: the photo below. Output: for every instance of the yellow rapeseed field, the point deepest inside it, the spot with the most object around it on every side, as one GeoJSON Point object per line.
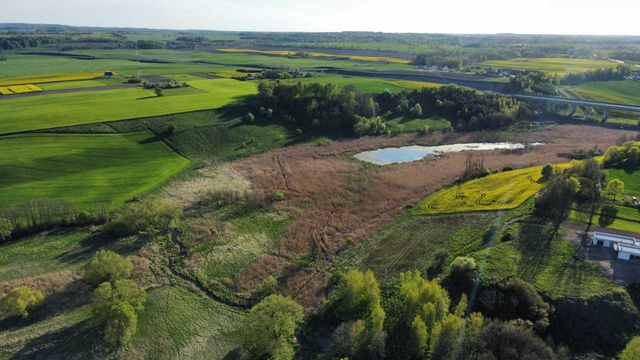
{"type": "Point", "coordinates": [500, 191]}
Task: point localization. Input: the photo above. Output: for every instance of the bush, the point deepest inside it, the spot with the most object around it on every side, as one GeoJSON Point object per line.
{"type": "Point", "coordinates": [249, 118]}
{"type": "Point", "coordinates": [158, 91]}
{"type": "Point", "coordinates": [171, 129]}
{"type": "Point", "coordinates": [150, 215]}
{"type": "Point", "coordinates": [6, 228]}
{"type": "Point", "coordinates": [461, 276]}
{"type": "Point", "coordinates": [262, 111]}
{"type": "Point", "coordinates": [17, 301]}
{"type": "Point", "coordinates": [106, 265]}
{"type": "Point", "coordinates": [278, 195]}
{"type": "Point", "coordinates": [632, 350]}
{"type": "Point", "coordinates": [270, 113]}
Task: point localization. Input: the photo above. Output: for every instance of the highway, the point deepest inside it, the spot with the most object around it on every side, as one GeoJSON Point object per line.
{"type": "Point", "coordinates": [596, 104]}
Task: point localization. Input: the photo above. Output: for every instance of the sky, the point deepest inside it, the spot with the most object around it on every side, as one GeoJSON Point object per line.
{"type": "Point", "coordinates": [588, 17]}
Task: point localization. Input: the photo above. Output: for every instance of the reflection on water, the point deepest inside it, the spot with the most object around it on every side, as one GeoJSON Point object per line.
{"type": "Point", "coordinates": [411, 153]}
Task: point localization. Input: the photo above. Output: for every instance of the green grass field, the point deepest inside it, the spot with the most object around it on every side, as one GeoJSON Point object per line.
{"type": "Point", "coordinates": [558, 66]}
{"type": "Point", "coordinates": [57, 110]}
{"type": "Point", "coordinates": [628, 217]}
{"type": "Point", "coordinates": [366, 84]}
{"type": "Point", "coordinates": [178, 323]}
{"type": "Point", "coordinates": [623, 92]}
{"type": "Point", "coordinates": [405, 125]}
{"type": "Point", "coordinates": [505, 190]}
{"type": "Point", "coordinates": [250, 232]}
{"type": "Point", "coordinates": [87, 171]}
{"type": "Point", "coordinates": [40, 254]}
{"type": "Point", "coordinates": [547, 264]}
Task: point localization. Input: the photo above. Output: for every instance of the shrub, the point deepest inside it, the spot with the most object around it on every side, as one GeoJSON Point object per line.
{"type": "Point", "coordinates": [270, 113]}
{"type": "Point", "coordinates": [150, 215]}
{"type": "Point", "coordinates": [158, 91]}
{"type": "Point", "coordinates": [278, 195]}
{"type": "Point", "coordinates": [171, 129]}
{"type": "Point", "coordinates": [107, 266]}
{"type": "Point", "coordinates": [249, 118]}
{"type": "Point", "coordinates": [461, 276]}
{"type": "Point", "coordinates": [262, 111]}
{"type": "Point", "coordinates": [17, 301]}
{"type": "Point", "coordinates": [6, 228]}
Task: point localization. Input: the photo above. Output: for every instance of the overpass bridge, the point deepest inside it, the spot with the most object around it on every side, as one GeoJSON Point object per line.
{"type": "Point", "coordinates": [603, 106]}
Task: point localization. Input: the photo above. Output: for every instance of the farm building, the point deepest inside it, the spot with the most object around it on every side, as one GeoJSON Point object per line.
{"type": "Point", "coordinates": [626, 246]}
{"type": "Point", "coordinates": [626, 251]}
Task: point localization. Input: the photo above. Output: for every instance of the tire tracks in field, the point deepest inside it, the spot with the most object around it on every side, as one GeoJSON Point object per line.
{"type": "Point", "coordinates": [175, 236]}
{"type": "Point", "coordinates": [284, 174]}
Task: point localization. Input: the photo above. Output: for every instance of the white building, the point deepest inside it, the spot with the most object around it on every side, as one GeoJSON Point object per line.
{"type": "Point", "coordinates": [626, 246]}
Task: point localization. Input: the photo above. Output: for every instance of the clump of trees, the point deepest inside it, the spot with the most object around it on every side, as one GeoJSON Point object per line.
{"type": "Point", "coordinates": [536, 83]}
{"type": "Point", "coordinates": [624, 156]}
{"type": "Point", "coordinates": [632, 350]}
{"type": "Point", "coordinates": [108, 266]}
{"type": "Point", "coordinates": [314, 106]}
{"type": "Point", "coordinates": [467, 109]}
{"type": "Point", "coordinates": [115, 306]}
{"type": "Point", "coordinates": [271, 327]}
{"type": "Point", "coordinates": [607, 74]}
{"type": "Point", "coordinates": [151, 215]}
{"type": "Point", "coordinates": [116, 302]}
{"type": "Point", "coordinates": [361, 334]}
{"type": "Point", "coordinates": [19, 300]}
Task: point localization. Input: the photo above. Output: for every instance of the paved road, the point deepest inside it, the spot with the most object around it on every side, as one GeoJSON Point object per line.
{"type": "Point", "coordinates": [560, 100]}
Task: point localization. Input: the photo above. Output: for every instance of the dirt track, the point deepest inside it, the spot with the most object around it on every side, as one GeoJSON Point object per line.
{"type": "Point", "coordinates": [338, 201]}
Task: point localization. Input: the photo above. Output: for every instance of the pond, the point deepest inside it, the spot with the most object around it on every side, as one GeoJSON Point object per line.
{"type": "Point", "coordinates": [411, 153]}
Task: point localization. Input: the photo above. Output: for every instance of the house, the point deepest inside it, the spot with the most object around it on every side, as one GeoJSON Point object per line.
{"type": "Point", "coordinates": [251, 77]}
{"type": "Point", "coordinates": [108, 74]}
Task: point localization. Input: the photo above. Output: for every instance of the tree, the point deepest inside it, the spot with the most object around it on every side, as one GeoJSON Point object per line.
{"type": "Point", "coordinates": [6, 228]}
{"type": "Point", "coordinates": [416, 111]}
{"type": "Point", "coordinates": [608, 215]}
{"type": "Point", "coordinates": [115, 306]}
{"type": "Point", "coordinates": [107, 266]}
{"type": "Point", "coordinates": [547, 171]}
{"type": "Point", "coordinates": [615, 188]}
{"type": "Point", "coordinates": [512, 340]}
{"type": "Point", "coordinates": [554, 200]}
{"type": "Point", "coordinates": [632, 350]}
{"type": "Point", "coordinates": [17, 301]}
{"type": "Point", "coordinates": [158, 91]}
{"type": "Point", "coordinates": [171, 129]}
{"type": "Point", "coordinates": [271, 327]}
{"type": "Point", "coordinates": [359, 302]}
{"type": "Point", "coordinates": [461, 276]}
{"type": "Point", "coordinates": [151, 215]}
{"type": "Point", "coordinates": [249, 118]}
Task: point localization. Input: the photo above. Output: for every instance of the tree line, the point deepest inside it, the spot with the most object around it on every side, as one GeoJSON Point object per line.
{"type": "Point", "coordinates": [607, 74]}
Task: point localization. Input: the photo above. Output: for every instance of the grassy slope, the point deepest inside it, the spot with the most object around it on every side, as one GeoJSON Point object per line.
{"type": "Point", "coordinates": [549, 265]}
{"type": "Point", "coordinates": [178, 323]}
{"type": "Point", "coordinates": [85, 170]}
{"type": "Point", "coordinates": [48, 111]}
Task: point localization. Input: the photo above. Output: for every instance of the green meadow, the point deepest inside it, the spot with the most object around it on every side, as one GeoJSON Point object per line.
{"type": "Point", "coordinates": [625, 92]}
{"type": "Point", "coordinates": [57, 110]}
{"type": "Point", "coordinates": [557, 66]}
{"type": "Point", "coordinates": [87, 171]}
